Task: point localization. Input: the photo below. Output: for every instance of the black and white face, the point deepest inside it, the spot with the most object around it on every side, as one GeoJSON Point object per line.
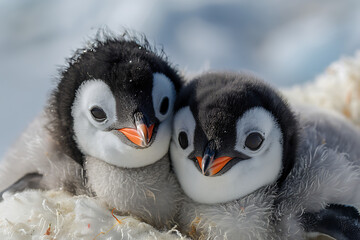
{"type": "Point", "coordinates": [212, 174]}
{"type": "Point", "coordinates": [126, 130]}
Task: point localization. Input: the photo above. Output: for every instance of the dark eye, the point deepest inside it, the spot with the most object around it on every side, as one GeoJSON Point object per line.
{"type": "Point", "coordinates": [183, 140]}
{"type": "Point", "coordinates": [164, 105]}
{"type": "Point", "coordinates": [98, 114]}
{"type": "Point", "coordinates": [254, 141]}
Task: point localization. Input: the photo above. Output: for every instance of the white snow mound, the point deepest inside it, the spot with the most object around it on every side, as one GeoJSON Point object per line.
{"type": "Point", "coordinates": [51, 215]}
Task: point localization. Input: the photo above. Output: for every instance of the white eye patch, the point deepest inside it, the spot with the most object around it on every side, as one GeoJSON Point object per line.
{"type": "Point", "coordinates": [163, 95]}
{"type": "Point", "coordinates": [94, 93]}
{"type": "Point", "coordinates": [254, 120]}
{"type": "Point", "coordinates": [184, 122]}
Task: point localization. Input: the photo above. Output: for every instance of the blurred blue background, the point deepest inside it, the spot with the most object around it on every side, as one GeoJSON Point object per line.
{"type": "Point", "coordinates": [285, 42]}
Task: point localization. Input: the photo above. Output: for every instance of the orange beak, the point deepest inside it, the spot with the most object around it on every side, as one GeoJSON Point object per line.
{"type": "Point", "coordinates": [140, 136]}
{"type": "Point", "coordinates": [210, 166]}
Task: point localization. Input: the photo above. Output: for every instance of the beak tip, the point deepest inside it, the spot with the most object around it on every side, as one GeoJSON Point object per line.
{"type": "Point", "coordinates": [206, 173]}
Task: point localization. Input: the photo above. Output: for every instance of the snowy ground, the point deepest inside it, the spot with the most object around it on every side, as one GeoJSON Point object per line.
{"type": "Point", "coordinates": [286, 42]}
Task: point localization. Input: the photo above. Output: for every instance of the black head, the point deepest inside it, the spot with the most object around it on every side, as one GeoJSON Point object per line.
{"type": "Point", "coordinates": [116, 77]}
{"type": "Point", "coordinates": [234, 125]}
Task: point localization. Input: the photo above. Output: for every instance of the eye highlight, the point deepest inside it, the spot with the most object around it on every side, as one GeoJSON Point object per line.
{"type": "Point", "coordinates": [98, 114]}
{"type": "Point", "coordinates": [164, 107]}
{"type": "Point", "coordinates": [183, 140]}
{"type": "Point", "coordinates": [254, 141]}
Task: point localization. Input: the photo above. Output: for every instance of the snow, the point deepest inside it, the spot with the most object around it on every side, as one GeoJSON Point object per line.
{"type": "Point", "coordinates": [57, 215]}
{"type": "Point", "coordinates": [335, 89]}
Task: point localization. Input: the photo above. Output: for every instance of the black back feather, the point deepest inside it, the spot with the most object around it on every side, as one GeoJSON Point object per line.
{"type": "Point", "coordinates": [339, 221]}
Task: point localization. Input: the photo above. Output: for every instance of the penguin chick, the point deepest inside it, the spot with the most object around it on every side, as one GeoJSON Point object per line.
{"type": "Point", "coordinates": [236, 142]}
{"type": "Point", "coordinates": [230, 132]}
{"type": "Point", "coordinates": [111, 113]}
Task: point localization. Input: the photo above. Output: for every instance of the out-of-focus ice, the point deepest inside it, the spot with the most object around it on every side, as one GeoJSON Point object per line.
{"type": "Point", "coordinates": [285, 42]}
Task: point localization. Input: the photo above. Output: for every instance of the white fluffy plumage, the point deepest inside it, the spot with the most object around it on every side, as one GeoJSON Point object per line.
{"type": "Point", "coordinates": [326, 171]}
